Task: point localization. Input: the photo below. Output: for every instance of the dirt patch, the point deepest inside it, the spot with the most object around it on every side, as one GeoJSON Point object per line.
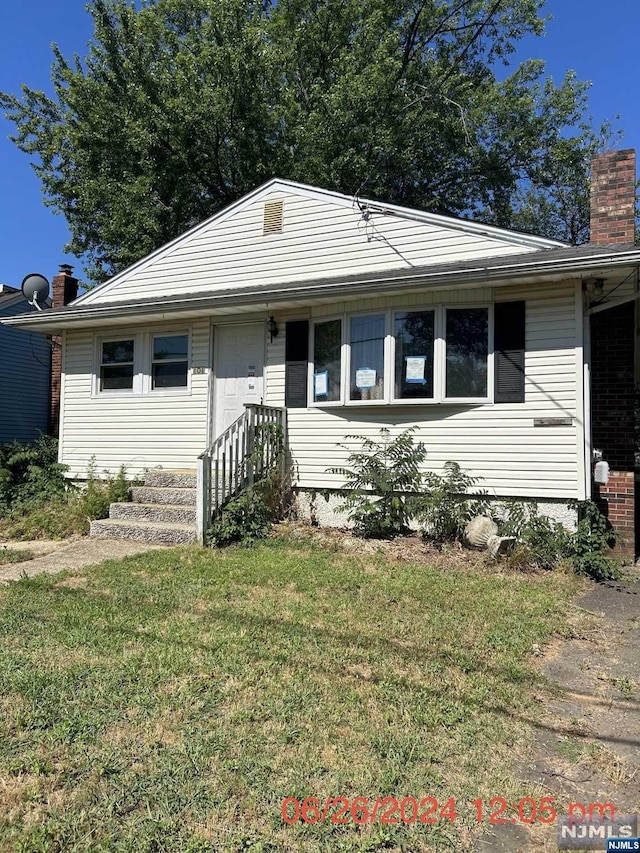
{"type": "Point", "coordinates": [586, 742]}
{"type": "Point", "coordinates": [409, 549]}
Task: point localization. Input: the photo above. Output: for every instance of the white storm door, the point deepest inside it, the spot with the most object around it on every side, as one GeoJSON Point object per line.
{"type": "Point", "coordinates": [239, 371]}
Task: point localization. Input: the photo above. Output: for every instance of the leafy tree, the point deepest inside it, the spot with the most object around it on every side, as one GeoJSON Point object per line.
{"type": "Point", "coordinates": [181, 106]}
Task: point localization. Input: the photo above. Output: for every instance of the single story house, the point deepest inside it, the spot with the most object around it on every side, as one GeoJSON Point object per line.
{"type": "Point", "coordinates": [25, 368]}
{"type": "Point", "coordinates": [512, 354]}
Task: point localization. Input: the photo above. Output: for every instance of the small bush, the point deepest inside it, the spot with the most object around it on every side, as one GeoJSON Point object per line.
{"type": "Point", "coordinates": [445, 510]}
{"type": "Point", "coordinates": [249, 516]}
{"type": "Point", "coordinates": [380, 481]}
{"type": "Point", "coordinates": [100, 493]}
{"type": "Point", "coordinates": [545, 544]}
{"type": "Point", "coordinates": [30, 473]}
{"type": "Point", "coordinates": [589, 545]}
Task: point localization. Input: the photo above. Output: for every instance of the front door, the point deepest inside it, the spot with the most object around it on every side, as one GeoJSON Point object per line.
{"type": "Point", "coordinates": [239, 371]}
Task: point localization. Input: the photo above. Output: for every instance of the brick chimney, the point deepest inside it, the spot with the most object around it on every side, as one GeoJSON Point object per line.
{"type": "Point", "coordinates": [613, 197]}
{"type": "Point", "coordinates": [64, 290]}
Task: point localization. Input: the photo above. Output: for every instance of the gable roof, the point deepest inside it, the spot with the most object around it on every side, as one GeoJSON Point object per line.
{"type": "Point", "coordinates": [163, 264]}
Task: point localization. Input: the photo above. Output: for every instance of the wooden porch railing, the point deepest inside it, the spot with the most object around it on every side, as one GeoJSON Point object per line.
{"type": "Point", "coordinates": [247, 451]}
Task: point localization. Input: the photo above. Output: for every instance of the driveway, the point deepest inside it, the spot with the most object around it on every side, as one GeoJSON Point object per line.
{"type": "Point", "coordinates": [586, 746]}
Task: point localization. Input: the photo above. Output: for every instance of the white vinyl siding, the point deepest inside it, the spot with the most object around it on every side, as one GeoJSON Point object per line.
{"type": "Point", "coordinates": [495, 442]}
{"type": "Point", "coordinates": [320, 239]}
{"type": "Point", "coordinates": [138, 431]}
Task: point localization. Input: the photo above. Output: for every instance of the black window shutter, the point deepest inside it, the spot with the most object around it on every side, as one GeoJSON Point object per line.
{"type": "Point", "coordinates": [508, 340]}
{"type": "Point", "coordinates": [296, 354]}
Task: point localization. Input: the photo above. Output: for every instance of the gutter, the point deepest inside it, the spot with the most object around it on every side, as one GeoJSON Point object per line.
{"type": "Point", "coordinates": [478, 276]}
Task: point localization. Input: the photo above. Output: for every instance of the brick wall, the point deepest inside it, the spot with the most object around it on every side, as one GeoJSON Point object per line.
{"type": "Point", "coordinates": [613, 197]}
{"type": "Point", "coordinates": [612, 413]}
{"type": "Point", "coordinates": [64, 290]}
{"type": "Point", "coordinates": [616, 500]}
{"type": "Point", "coordinates": [612, 385]}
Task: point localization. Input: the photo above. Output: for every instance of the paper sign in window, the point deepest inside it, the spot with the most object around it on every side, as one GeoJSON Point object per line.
{"type": "Point", "coordinates": [365, 378]}
{"type": "Point", "coordinates": [415, 368]}
{"type": "Point", "coordinates": [321, 383]}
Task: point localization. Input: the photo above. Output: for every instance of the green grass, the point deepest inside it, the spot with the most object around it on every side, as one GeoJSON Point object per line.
{"type": "Point", "coordinates": [171, 701]}
{"type": "Point", "coordinates": [13, 555]}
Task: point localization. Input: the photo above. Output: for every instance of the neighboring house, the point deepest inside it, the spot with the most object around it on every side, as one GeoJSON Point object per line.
{"type": "Point", "coordinates": [25, 367]}
{"type": "Point", "coordinates": [386, 317]}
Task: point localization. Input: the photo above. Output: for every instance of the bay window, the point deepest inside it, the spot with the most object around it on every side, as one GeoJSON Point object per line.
{"type": "Point", "coordinates": [436, 354]}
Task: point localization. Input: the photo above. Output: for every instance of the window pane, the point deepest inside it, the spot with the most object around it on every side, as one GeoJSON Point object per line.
{"type": "Point", "coordinates": [170, 375]}
{"type": "Point", "coordinates": [327, 346]}
{"type": "Point", "coordinates": [467, 349]}
{"type": "Point", "coordinates": [414, 355]}
{"type": "Point", "coordinates": [367, 358]}
{"type": "Point", "coordinates": [171, 347]}
{"type": "Point", "coordinates": [116, 378]}
{"type": "Point", "coordinates": [117, 352]}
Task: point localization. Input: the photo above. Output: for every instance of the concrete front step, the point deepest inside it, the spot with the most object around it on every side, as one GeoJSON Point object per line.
{"type": "Point", "coordinates": [164, 495]}
{"type": "Point", "coordinates": [181, 478]}
{"type": "Point", "coordinates": [156, 532]}
{"type": "Point", "coordinates": [170, 513]}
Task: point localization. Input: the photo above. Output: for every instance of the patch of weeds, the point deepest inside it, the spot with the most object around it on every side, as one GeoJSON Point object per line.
{"type": "Point", "coordinates": [625, 685]}
{"type": "Point", "coordinates": [569, 749]}
{"type": "Point", "coordinates": [445, 510]}
{"type": "Point", "coordinates": [68, 513]}
{"type": "Point", "coordinates": [13, 555]}
{"type": "Point", "coordinates": [589, 544]}
{"type": "Point", "coordinates": [545, 543]}
{"type": "Point", "coordinates": [248, 517]}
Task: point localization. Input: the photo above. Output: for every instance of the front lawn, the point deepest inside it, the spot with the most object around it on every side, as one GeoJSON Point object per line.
{"type": "Point", "coordinates": [172, 701]}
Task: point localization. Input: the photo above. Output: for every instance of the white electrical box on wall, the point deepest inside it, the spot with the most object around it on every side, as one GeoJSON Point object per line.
{"type": "Point", "coordinates": [601, 473]}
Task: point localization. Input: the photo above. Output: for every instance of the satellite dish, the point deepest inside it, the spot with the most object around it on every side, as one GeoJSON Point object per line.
{"type": "Point", "coordinates": [35, 289]}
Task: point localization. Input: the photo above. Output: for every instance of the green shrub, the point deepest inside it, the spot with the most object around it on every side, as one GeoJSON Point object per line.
{"type": "Point", "coordinates": [382, 482]}
{"type": "Point", "coordinates": [589, 544]}
{"type": "Point", "coordinates": [544, 543]}
{"type": "Point", "coordinates": [248, 517]}
{"type": "Point", "coordinates": [30, 473]}
{"type": "Point", "coordinates": [445, 509]}
{"type": "Point", "coordinates": [100, 493]}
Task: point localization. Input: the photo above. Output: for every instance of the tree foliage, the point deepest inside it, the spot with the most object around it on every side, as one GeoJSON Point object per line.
{"type": "Point", "coordinates": [181, 106]}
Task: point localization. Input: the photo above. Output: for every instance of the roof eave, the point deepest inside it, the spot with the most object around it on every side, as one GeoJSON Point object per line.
{"type": "Point", "coordinates": [400, 281]}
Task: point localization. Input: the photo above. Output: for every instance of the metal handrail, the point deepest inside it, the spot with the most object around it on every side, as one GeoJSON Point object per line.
{"type": "Point", "coordinates": [230, 463]}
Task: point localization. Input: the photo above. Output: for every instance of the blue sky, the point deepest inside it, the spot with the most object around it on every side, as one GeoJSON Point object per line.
{"type": "Point", "coordinates": [595, 39]}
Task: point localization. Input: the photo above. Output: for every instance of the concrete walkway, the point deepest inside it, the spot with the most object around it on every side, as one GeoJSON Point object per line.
{"type": "Point", "coordinates": [51, 557]}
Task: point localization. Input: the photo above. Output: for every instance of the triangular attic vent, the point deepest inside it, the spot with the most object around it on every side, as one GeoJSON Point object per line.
{"type": "Point", "coordinates": [273, 217]}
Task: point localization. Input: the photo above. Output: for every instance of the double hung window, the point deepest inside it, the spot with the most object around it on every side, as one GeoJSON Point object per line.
{"type": "Point", "coordinates": [142, 363]}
